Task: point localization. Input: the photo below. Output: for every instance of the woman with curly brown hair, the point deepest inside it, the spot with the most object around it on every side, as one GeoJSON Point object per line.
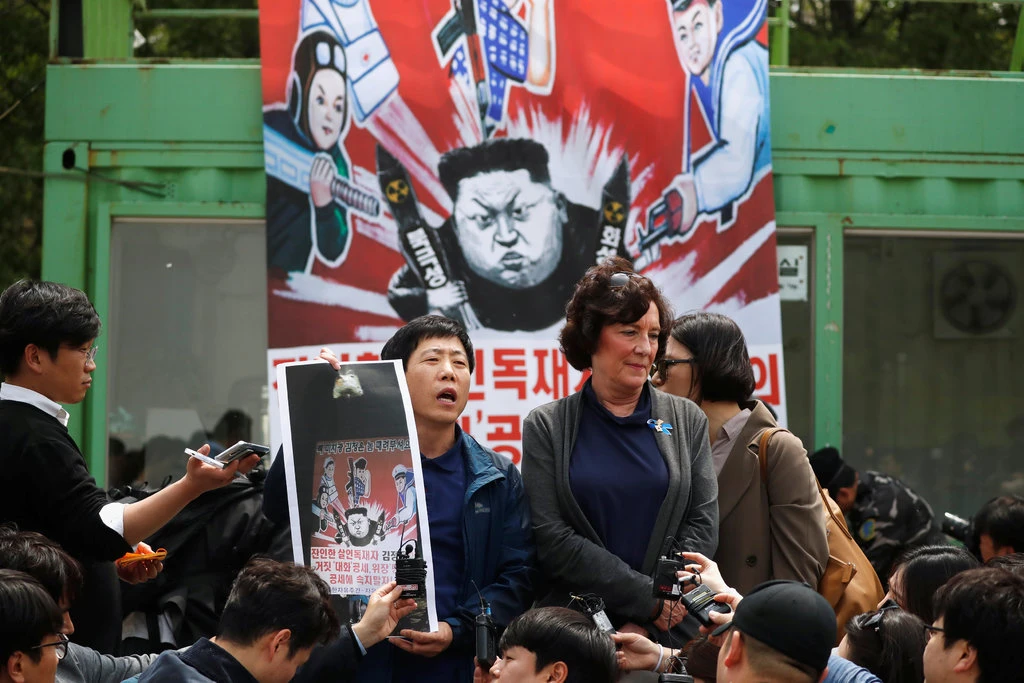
{"type": "Point", "coordinates": [617, 472]}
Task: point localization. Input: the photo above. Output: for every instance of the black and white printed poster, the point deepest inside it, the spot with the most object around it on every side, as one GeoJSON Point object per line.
{"type": "Point", "coordinates": [355, 487]}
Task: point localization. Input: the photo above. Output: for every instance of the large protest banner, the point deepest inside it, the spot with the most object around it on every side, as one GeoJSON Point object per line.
{"type": "Point", "coordinates": [474, 157]}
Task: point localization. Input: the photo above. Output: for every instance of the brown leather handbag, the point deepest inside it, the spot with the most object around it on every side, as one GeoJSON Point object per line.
{"type": "Point", "coordinates": [849, 583]}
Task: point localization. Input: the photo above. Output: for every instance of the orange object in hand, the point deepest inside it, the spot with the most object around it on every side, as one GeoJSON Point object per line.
{"type": "Point", "coordinates": [133, 558]}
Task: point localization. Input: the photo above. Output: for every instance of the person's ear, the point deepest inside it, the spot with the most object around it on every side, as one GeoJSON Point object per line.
{"type": "Point", "coordinates": [33, 357]}
{"type": "Point", "coordinates": [846, 497]}
{"type": "Point", "coordinates": [556, 672]}
{"type": "Point", "coordinates": [15, 667]}
{"type": "Point", "coordinates": [278, 643]}
{"type": "Point", "coordinates": [967, 659]}
{"type": "Point", "coordinates": [719, 21]}
{"type": "Point", "coordinates": [733, 650]}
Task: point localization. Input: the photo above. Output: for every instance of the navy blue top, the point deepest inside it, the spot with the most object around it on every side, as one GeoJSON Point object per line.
{"type": "Point", "coordinates": [618, 476]}
{"type": "Point", "coordinates": [444, 484]}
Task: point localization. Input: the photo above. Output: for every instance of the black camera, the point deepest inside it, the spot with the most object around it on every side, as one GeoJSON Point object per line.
{"type": "Point", "coordinates": [666, 584]}
{"type": "Point", "coordinates": [700, 602]}
{"type": "Point", "coordinates": [957, 527]}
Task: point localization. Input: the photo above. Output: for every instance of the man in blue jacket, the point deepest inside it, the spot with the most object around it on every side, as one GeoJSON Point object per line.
{"type": "Point", "coordinates": [480, 532]}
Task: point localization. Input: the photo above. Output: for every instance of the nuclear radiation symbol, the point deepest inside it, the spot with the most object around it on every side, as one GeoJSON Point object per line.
{"type": "Point", "coordinates": [397, 191]}
{"type": "Point", "coordinates": [614, 213]}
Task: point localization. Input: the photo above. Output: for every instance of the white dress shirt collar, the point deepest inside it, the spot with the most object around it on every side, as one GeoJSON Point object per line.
{"type": "Point", "coordinates": [12, 392]}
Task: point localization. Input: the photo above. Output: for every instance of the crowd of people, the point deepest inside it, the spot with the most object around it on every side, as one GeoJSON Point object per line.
{"type": "Point", "coordinates": [662, 459]}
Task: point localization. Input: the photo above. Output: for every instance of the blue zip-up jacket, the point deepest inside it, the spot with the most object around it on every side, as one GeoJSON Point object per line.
{"type": "Point", "coordinates": [500, 558]}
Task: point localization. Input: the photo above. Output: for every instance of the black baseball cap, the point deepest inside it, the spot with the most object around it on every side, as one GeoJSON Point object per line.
{"type": "Point", "coordinates": [790, 618]}
{"type": "Point", "coordinates": [827, 465]}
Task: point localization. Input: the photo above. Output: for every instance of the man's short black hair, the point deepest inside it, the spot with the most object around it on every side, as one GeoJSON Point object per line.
{"type": "Point", "coordinates": [27, 615]}
{"type": "Point", "coordinates": [269, 596]}
{"type": "Point", "coordinates": [559, 634]}
{"type": "Point", "coordinates": [500, 154]}
{"type": "Point", "coordinates": [409, 336]}
{"type": "Point", "coordinates": [42, 559]}
{"type": "Point", "coordinates": [46, 314]}
{"type": "Point", "coordinates": [1002, 518]}
{"type": "Point", "coordinates": [723, 371]}
{"type": "Point", "coordinates": [985, 607]}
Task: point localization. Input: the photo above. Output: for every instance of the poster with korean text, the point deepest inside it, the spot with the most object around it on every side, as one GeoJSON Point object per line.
{"type": "Point", "coordinates": [474, 157]}
{"type": "Point", "coordinates": [355, 487]}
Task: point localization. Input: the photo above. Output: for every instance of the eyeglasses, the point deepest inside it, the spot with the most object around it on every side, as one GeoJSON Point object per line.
{"type": "Point", "coordinates": [89, 353]}
{"type": "Point", "coordinates": [661, 366]}
{"type": "Point", "coordinates": [60, 647]}
{"type": "Point", "coordinates": [930, 631]}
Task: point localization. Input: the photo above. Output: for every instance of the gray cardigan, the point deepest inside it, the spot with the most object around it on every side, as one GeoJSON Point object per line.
{"type": "Point", "coordinates": [569, 551]}
{"type": "Point", "coordinates": [85, 665]}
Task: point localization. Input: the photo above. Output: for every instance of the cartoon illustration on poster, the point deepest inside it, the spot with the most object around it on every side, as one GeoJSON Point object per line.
{"type": "Point", "coordinates": [474, 157]}
{"type": "Point", "coordinates": [352, 467]}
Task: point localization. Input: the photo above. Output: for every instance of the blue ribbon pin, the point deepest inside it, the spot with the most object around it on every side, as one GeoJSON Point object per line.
{"type": "Point", "coordinates": [660, 426]}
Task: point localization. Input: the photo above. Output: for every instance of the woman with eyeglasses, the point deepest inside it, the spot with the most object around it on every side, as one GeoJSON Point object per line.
{"type": "Point", "coordinates": [31, 641]}
{"type": "Point", "coordinates": [889, 643]}
{"type": "Point", "coordinates": [617, 474]}
{"type": "Point", "coordinates": [771, 527]}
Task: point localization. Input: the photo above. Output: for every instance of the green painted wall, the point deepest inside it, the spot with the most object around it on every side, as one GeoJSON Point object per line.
{"type": "Point", "coordinates": [852, 150]}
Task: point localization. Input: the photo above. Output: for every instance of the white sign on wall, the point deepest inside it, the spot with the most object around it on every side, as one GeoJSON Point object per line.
{"type": "Point", "coordinates": [793, 272]}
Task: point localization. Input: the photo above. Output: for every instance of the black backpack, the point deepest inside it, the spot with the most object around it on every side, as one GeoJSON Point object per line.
{"type": "Point", "coordinates": [207, 544]}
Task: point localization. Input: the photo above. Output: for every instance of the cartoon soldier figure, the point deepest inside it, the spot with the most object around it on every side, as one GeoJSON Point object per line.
{"type": "Point", "coordinates": [729, 75]}
{"type": "Point", "coordinates": [884, 514]}
{"type": "Point", "coordinates": [405, 508]}
{"type": "Point", "coordinates": [327, 494]}
{"type": "Point", "coordinates": [358, 485]}
{"type": "Point", "coordinates": [303, 216]}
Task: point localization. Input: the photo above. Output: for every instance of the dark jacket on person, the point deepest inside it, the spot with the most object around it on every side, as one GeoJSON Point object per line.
{"type": "Point", "coordinates": [774, 529]}
{"type": "Point", "coordinates": [889, 518]}
{"type": "Point", "coordinates": [46, 487]}
{"type": "Point", "coordinates": [500, 555]}
{"type": "Point", "coordinates": [204, 662]}
{"type": "Point", "coordinates": [571, 555]}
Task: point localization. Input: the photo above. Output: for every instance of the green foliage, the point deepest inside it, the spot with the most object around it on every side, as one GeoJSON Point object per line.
{"type": "Point", "coordinates": [890, 35]}
{"type": "Point", "coordinates": [199, 38]}
{"type": "Point", "coordinates": [24, 35]}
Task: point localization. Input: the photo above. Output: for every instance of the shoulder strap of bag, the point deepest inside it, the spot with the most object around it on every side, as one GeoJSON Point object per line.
{"type": "Point", "coordinates": [762, 456]}
{"type": "Point", "coordinates": [762, 451]}
{"type": "Point", "coordinates": [839, 522]}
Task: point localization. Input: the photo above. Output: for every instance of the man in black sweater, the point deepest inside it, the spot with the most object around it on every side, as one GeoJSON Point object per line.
{"type": "Point", "coordinates": [47, 356]}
